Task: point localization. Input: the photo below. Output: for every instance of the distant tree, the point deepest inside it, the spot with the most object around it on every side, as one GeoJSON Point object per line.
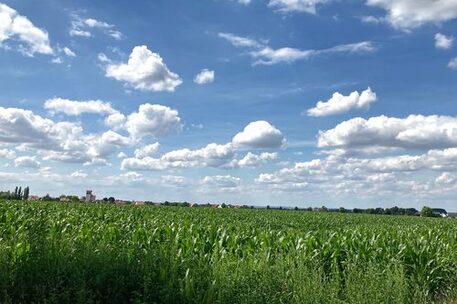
{"type": "Point", "coordinates": [25, 196]}
{"type": "Point", "coordinates": [111, 200]}
{"type": "Point", "coordinates": [342, 210]}
{"type": "Point", "coordinates": [268, 206]}
{"type": "Point", "coordinates": [19, 193]}
{"type": "Point", "coordinates": [324, 209]}
{"type": "Point", "coordinates": [296, 208]}
{"type": "Point", "coordinates": [427, 212]}
{"type": "Point", "coordinates": [105, 199]}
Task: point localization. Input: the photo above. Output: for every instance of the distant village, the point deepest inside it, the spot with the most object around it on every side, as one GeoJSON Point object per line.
{"type": "Point", "coordinates": [90, 197]}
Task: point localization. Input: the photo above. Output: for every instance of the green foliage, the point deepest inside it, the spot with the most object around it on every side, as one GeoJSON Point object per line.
{"type": "Point", "coordinates": [427, 212]}
{"type": "Point", "coordinates": [103, 253]}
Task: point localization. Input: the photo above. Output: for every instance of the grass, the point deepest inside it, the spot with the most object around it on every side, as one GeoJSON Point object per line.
{"type": "Point", "coordinates": [81, 253]}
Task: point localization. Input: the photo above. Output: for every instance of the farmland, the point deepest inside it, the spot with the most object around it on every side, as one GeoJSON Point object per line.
{"type": "Point", "coordinates": [87, 253]}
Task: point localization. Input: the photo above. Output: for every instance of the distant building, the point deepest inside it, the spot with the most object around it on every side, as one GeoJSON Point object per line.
{"type": "Point", "coordinates": [89, 196]}
{"type": "Point", "coordinates": [34, 198]}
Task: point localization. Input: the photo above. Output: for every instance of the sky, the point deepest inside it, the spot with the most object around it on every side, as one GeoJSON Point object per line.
{"type": "Point", "coordinates": [261, 102]}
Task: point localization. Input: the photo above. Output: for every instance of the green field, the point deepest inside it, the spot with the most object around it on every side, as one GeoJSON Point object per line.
{"type": "Point", "coordinates": [81, 253]}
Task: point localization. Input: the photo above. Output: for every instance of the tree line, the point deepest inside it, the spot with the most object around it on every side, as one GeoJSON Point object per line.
{"type": "Point", "coordinates": [18, 194]}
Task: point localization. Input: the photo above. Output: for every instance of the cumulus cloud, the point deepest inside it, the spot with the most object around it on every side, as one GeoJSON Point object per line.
{"type": "Point", "coordinates": [443, 42]}
{"type": "Point", "coordinates": [152, 120]}
{"type": "Point", "coordinates": [452, 64]}
{"type": "Point", "coordinates": [445, 178]}
{"type": "Point", "coordinates": [412, 132]}
{"type": "Point", "coordinates": [26, 161]}
{"type": "Point", "coordinates": [58, 141]}
{"type": "Point", "coordinates": [75, 108]}
{"type": "Point", "coordinates": [410, 14]}
{"type": "Point", "coordinates": [340, 104]}
{"type": "Point", "coordinates": [116, 121]}
{"type": "Point", "coordinates": [144, 71]}
{"type": "Point", "coordinates": [147, 150]}
{"type": "Point", "coordinates": [204, 77]}
{"type": "Point", "coordinates": [259, 134]}
{"type": "Point", "coordinates": [82, 27]}
{"type": "Point", "coordinates": [263, 54]}
{"type": "Point", "coordinates": [6, 153]}
{"type": "Point", "coordinates": [286, 6]}
{"type": "Point", "coordinates": [30, 39]}
{"type": "Point", "coordinates": [253, 160]}
{"type": "Point", "coordinates": [213, 155]}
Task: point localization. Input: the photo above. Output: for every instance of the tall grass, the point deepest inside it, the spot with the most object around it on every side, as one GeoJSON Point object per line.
{"type": "Point", "coordinates": [56, 253]}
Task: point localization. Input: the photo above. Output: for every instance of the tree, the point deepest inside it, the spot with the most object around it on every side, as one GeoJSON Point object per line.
{"type": "Point", "coordinates": [25, 196]}
{"type": "Point", "coordinates": [427, 212]}
{"type": "Point", "coordinates": [111, 200]}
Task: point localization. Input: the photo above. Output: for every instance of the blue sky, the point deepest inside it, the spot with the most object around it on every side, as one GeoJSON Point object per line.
{"type": "Point", "coordinates": [280, 102]}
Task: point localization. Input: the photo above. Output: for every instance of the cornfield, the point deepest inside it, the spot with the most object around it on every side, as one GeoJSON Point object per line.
{"type": "Point", "coordinates": [82, 253]}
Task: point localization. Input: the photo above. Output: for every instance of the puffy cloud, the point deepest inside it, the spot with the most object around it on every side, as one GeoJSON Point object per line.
{"type": "Point", "coordinates": [445, 178]}
{"type": "Point", "coordinates": [307, 6]}
{"type": "Point", "coordinates": [415, 131]}
{"type": "Point", "coordinates": [144, 71]}
{"type": "Point", "coordinates": [152, 120]}
{"type": "Point", "coordinates": [252, 160]}
{"type": "Point", "coordinates": [147, 150]}
{"type": "Point", "coordinates": [341, 104]}
{"type": "Point", "coordinates": [31, 39]}
{"type": "Point", "coordinates": [204, 77]}
{"type": "Point", "coordinates": [26, 161]}
{"type": "Point", "coordinates": [213, 155]}
{"type": "Point", "coordinates": [259, 134]}
{"type": "Point", "coordinates": [452, 64]}
{"type": "Point", "coordinates": [5, 153]}
{"type": "Point", "coordinates": [75, 108]}
{"type": "Point", "coordinates": [409, 14]}
{"type": "Point", "coordinates": [116, 121]}
{"type": "Point", "coordinates": [262, 53]}
{"type": "Point", "coordinates": [59, 141]}
{"type": "Point", "coordinates": [443, 42]}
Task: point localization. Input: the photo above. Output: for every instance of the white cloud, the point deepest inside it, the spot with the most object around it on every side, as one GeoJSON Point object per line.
{"type": "Point", "coordinates": [241, 42]}
{"type": "Point", "coordinates": [5, 153]}
{"type": "Point", "coordinates": [69, 52]}
{"type": "Point", "coordinates": [260, 134]}
{"type": "Point", "coordinates": [443, 42]}
{"type": "Point", "coordinates": [82, 27]}
{"type": "Point", "coordinates": [340, 104]}
{"type": "Point", "coordinates": [410, 14]}
{"type": "Point", "coordinates": [116, 121]}
{"type": "Point", "coordinates": [144, 71]}
{"type": "Point", "coordinates": [153, 120]}
{"type": "Point", "coordinates": [79, 174]}
{"type": "Point", "coordinates": [286, 6]}
{"type": "Point", "coordinates": [412, 132]}
{"type": "Point", "coordinates": [245, 2]}
{"type": "Point", "coordinates": [262, 53]}
{"type": "Point", "coordinates": [252, 160]}
{"type": "Point", "coordinates": [204, 77]}
{"type": "Point", "coordinates": [147, 150]}
{"type": "Point", "coordinates": [213, 155]}
{"type": "Point", "coordinates": [452, 64]}
{"type": "Point", "coordinates": [26, 161]}
{"type": "Point", "coordinates": [75, 108]}
{"type": "Point", "coordinates": [18, 28]}
{"type": "Point", "coordinates": [445, 178]}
